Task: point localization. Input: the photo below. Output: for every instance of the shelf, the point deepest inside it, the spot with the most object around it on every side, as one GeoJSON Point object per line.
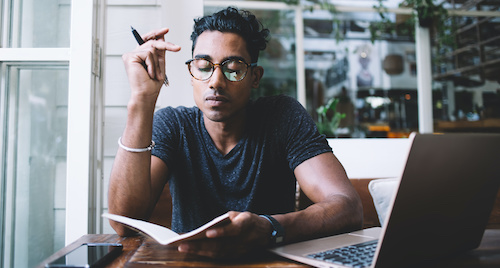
{"type": "Point", "coordinates": [477, 55]}
{"type": "Point", "coordinates": [469, 70]}
{"type": "Point", "coordinates": [485, 125]}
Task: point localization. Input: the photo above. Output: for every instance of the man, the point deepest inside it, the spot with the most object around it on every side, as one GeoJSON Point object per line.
{"type": "Point", "coordinates": [229, 153]}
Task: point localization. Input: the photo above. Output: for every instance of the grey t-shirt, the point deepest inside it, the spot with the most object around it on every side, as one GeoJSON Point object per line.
{"type": "Point", "coordinates": [256, 175]}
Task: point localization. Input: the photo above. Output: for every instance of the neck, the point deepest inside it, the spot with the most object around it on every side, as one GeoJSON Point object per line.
{"type": "Point", "coordinates": [227, 134]}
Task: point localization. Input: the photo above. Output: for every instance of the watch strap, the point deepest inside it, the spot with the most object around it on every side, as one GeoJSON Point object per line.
{"type": "Point", "coordinates": [278, 232]}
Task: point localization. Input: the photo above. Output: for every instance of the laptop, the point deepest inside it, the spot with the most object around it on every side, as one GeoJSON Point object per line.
{"type": "Point", "coordinates": [441, 207]}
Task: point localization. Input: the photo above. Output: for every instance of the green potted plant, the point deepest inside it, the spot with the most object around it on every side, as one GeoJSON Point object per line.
{"type": "Point", "coordinates": [329, 118]}
{"type": "Point", "coordinates": [427, 13]}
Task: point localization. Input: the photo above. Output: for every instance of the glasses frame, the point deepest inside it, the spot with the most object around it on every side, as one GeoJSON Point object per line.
{"type": "Point", "coordinates": [188, 63]}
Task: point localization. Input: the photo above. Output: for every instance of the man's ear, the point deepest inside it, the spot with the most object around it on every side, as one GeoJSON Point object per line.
{"type": "Point", "coordinates": [257, 73]}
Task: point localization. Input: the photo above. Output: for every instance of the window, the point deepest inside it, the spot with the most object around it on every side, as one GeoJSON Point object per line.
{"type": "Point", "coordinates": [34, 116]}
{"type": "Point", "coordinates": [466, 96]}
{"type": "Point", "coordinates": [35, 126]}
{"type": "Point", "coordinates": [46, 119]}
{"type": "Point", "coordinates": [39, 24]}
{"type": "Point", "coordinates": [373, 81]}
{"type": "Point", "coordinates": [377, 83]}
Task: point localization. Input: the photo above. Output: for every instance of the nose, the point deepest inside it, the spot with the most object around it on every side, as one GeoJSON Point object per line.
{"type": "Point", "coordinates": [217, 79]}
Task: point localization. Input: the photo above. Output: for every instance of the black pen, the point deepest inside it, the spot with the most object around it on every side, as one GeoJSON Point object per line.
{"type": "Point", "coordinates": [139, 40]}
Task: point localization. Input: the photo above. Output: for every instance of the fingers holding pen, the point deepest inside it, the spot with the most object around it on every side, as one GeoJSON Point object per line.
{"type": "Point", "coordinates": [158, 34]}
{"type": "Point", "coordinates": [152, 64]}
{"type": "Point", "coordinates": [157, 38]}
{"type": "Point", "coordinates": [152, 51]}
{"type": "Point", "coordinates": [160, 47]}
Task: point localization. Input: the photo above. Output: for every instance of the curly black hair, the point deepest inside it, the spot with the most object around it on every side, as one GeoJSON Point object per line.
{"type": "Point", "coordinates": [243, 23]}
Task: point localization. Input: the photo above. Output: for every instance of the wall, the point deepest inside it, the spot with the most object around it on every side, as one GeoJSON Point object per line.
{"type": "Point", "coordinates": [371, 158]}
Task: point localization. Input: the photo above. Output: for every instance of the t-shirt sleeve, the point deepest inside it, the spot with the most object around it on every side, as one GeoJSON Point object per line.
{"type": "Point", "coordinates": [302, 139]}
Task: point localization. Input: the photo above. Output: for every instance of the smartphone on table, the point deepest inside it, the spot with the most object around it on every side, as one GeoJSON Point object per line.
{"type": "Point", "coordinates": [90, 255]}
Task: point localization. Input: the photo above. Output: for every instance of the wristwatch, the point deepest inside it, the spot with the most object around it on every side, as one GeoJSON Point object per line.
{"type": "Point", "coordinates": [278, 233]}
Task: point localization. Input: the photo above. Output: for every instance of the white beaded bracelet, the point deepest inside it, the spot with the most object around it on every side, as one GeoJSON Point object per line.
{"type": "Point", "coordinates": [136, 150]}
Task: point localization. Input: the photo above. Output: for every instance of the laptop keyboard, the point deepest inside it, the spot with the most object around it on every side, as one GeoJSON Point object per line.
{"type": "Point", "coordinates": [356, 256]}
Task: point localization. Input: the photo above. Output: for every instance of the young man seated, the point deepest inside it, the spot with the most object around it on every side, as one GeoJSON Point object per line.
{"type": "Point", "coordinates": [229, 153]}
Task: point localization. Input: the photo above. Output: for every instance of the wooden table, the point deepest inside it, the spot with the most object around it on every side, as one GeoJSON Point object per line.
{"type": "Point", "coordinates": [139, 251]}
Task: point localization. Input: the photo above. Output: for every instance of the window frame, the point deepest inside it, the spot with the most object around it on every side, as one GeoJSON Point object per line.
{"type": "Point", "coordinates": [84, 152]}
{"type": "Point", "coordinates": [13, 213]}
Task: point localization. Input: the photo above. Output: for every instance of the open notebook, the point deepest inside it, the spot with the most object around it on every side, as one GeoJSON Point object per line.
{"type": "Point", "coordinates": [164, 235]}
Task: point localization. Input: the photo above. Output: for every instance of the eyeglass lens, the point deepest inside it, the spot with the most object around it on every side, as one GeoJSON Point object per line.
{"type": "Point", "coordinates": [202, 69]}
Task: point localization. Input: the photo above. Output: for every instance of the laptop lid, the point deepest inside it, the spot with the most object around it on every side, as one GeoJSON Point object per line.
{"type": "Point", "coordinates": [442, 205]}
{"type": "Point", "coordinates": [444, 198]}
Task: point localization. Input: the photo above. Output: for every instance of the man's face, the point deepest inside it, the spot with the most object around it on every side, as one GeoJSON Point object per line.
{"type": "Point", "coordinates": [219, 99]}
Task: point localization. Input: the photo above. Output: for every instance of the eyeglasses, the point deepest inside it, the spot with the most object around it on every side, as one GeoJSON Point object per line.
{"type": "Point", "coordinates": [233, 69]}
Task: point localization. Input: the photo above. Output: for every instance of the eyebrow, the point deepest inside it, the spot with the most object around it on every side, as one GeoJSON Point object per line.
{"type": "Point", "coordinates": [207, 57]}
{"type": "Point", "coordinates": [203, 56]}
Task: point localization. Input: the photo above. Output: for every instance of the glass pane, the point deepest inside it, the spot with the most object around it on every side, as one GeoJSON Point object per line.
{"type": "Point", "coordinates": [36, 132]}
{"type": "Point", "coordinates": [278, 59]}
{"type": "Point", "coordinates": [465, 68]}
{"type": "Point", "coordinates": [40, 23]}
{"type": "Point", "coordinates": [374, 82]}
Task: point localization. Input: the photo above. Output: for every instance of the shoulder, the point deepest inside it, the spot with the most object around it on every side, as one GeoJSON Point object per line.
{"type": "Point", "coordinates": [279, 105]}
{"type": "Point", "coordinates": [281, 113]}
{"type": "Point", "coordinates": [278, 100]}
{"type": "Point", "coordinates": [172, 120]}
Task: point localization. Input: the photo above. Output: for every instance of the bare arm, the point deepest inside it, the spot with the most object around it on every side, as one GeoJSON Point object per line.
{"type": "Point", "coordinates": [337, 207]}
{"type": "Point", "coordinates": [137, 178]}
